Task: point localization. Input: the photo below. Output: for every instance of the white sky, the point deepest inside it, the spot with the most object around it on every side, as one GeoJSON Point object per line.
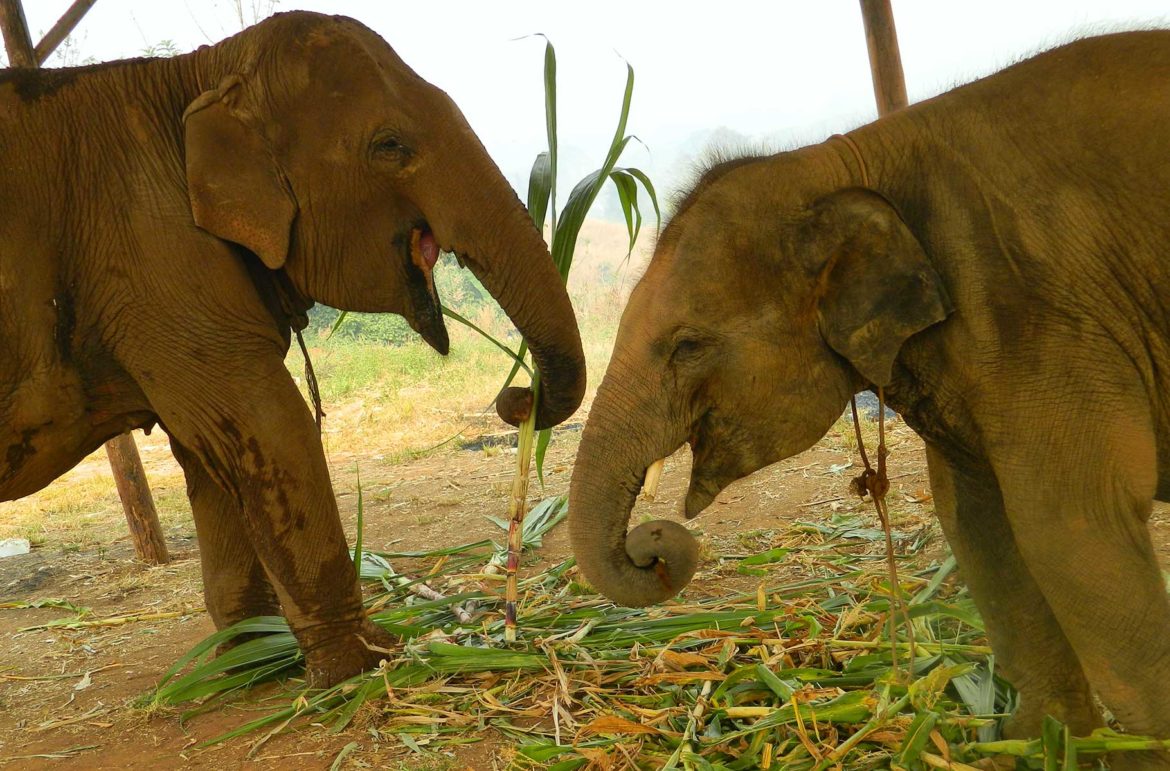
{"type": "Point", "coordinates": [773, 70]}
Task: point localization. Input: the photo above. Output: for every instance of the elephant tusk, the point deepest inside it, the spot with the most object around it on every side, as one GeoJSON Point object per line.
{"type": "Point", "coordinates": [653, 476]}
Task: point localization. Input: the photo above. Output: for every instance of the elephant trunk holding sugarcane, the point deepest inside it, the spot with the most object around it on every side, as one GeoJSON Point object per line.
{"type": "Point", "coordinates": [996, 260]}
{"type": "Point", "coordinates": [164, 224]}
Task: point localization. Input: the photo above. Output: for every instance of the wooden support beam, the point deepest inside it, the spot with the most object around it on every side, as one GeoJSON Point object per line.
{"type": "Point", "coordinates": [125, 462]}
{"type": "Point", "coordinates": [885, 60]}
{"type": "Point", "coordinates": [16, 38]}
{"type": "Point", "coordinates": [61, 29]}
{"type": "Point", "coordinates": [134, 491]}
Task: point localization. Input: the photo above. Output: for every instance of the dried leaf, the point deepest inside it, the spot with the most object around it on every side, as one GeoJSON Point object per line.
{"type": "Point", "coordinates": [613, 724]}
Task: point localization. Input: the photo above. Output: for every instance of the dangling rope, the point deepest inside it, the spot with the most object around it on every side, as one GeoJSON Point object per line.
{"type": "Point", "coordinates": [876, 484]}
{"type": "Point", "coordinates": [295, 307]}
{"type": "Point", "coordinates": [311, 380]}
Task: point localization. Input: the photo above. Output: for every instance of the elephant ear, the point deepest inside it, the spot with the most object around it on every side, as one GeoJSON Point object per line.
{"type": "Point", "coordinates": [237, 190]}
{"type": "Point", "coordinates": [876, 286]}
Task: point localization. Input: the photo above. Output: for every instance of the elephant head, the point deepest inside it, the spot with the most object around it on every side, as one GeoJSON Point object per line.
{"type": "Point", "coordinates": [774, 294]}
{"type": "Point", "coordinates": [318, 149]}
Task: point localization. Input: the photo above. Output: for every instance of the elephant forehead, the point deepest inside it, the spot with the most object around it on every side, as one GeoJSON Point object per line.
{"type": "Point", "coordinates": [337, 56]}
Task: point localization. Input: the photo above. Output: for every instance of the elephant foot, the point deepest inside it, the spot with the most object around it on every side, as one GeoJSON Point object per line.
{"type": "Point", "coordinates": [332, 660]}
{"type": "Point", "coordinates": [1078, 711]}
{"type": "Point", "coordinates": [1139, 761]}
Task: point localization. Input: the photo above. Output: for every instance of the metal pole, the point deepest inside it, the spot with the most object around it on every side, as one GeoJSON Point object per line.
{"type": "Point", "coordinates": [125, 462]}
{"type": "Point", "coordinates": [885, 61]}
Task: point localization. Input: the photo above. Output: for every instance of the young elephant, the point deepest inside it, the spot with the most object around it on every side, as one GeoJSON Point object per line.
{"type": "Point", "coordinates": [995, 259]}
{"type": "Point", "coordinates": [163, 225]}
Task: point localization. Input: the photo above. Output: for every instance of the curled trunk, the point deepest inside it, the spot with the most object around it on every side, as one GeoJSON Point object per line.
{"type": "Point", "coordinates": [650, 563]}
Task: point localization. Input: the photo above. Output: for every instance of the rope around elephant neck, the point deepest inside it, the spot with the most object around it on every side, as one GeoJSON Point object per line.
{"type": "Point", "coordinates": [876, 484]}
{"type": "Point", "coordinates": [857, 156]}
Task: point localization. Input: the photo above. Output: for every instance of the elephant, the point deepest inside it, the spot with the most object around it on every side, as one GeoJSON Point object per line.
{"type": "Point", "coordinates": [995, 261]}
{"type": "Point", "coordinates": [164, 226]}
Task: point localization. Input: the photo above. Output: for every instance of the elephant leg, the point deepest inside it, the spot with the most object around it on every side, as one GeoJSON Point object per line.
{"type": "Point", "coordinates": [234, 407]}
{"type": "Point", "coordinates": [1031, 649]}
{"type": "Point", "coordinates": [1078, 499]}
{"type": "Point", "coordinates": [235, 586]}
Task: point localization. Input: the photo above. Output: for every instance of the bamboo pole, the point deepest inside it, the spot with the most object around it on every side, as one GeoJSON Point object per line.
{"type": "Point", "coordinates": [885, 60]}
{"type": "Point", "coordinates": [125, 462]}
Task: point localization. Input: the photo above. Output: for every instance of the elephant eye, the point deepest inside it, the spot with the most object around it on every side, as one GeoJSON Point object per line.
{"type": "Point", "coordinates": [389, 145]}
{"type": "Point", "coordinates": [687, 349]}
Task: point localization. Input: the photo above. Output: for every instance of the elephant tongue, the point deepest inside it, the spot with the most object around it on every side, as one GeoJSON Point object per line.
{"type": "Point", "coordinates": [428, 248]}
{"type": "Point", "coordinates": [424, 249]}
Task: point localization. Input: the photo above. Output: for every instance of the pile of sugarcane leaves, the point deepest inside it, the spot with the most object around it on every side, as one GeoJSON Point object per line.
{"type": "Point", "coordinates": [794, 676]}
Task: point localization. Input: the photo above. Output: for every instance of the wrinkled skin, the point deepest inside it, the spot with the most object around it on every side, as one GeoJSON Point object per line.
{"type": "Point", "coordinates": [1004, 277]}
{"type": "Point", "coordinates": [163, 226]}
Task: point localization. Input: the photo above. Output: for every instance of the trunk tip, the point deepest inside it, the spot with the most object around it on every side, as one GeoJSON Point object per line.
{"type": "Point", "coordinates": [514, 405]}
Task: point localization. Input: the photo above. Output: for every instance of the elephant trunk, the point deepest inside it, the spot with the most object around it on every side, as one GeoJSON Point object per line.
{"type": "Point", "coordinates": [511, 260]}
{"type": "Point", "coordinates": [655, 560]}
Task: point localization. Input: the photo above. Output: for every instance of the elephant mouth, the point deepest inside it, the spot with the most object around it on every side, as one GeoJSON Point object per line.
{"type": "Point", "coordinates": [702, 488]}
{"type": "Point", "coordinates": [427, 318]}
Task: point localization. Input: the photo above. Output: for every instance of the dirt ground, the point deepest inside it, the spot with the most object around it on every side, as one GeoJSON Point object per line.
{"type": "Point", "coordinates": [66, 695]}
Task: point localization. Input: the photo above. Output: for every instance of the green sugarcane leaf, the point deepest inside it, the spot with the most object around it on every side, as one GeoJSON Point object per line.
{"type": "Point", "coordinates": [337, 323]}
{"type": "Point", "coordinates": [259, 625]}
{"type": "Point", "coordinates": [576, 210]}
{"type": "Point", "coordinates": [627, 190]}
{"type": "Point", "coordinates": [931, 589]}
{"type": "Point", "coordinates": [916, 738]}
{"type": "Point", "coordinates": [542, 439]}
{"type": "Point", "coordinates": [1052, 741]}
{"type": "Point", "coordinates": [774, 683]}
{"type": "Point", "coordinates": [649, 187]}
{"type": "Point", "coordinates": [517, 365]}
{"type": "Point", "coordinates": [540, 189]}
{"type": "Point", "coordinates": [1070, 752]}
{"type": "Point", "coordinates": [542, 751]}
{"type": "Point", "coordinates": [511, 354]}
{"type": "Point", "coordinates": [550, 122]}
{"type": "Point", "coordinates": [585, 192]}
{"type": "Point", "coordinates": [357, 547]}
{"type": "Point", "coordinates": [766, 557]}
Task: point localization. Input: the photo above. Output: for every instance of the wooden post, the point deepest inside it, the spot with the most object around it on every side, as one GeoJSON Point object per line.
{"type": "Point", "coordinates": [885, 60]}
{"type": "Point", "coordinates": [125, 462]}
{"type": "Point", "coordinates": [61, 29]}
{"type": "Point", "coordinates": [16, 38]}
{"type": "Point", "coordinates": [136, 500]}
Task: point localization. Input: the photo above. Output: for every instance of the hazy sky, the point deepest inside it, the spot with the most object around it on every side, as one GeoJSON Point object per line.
{"type": "Point", "coordinates": [780, 71]}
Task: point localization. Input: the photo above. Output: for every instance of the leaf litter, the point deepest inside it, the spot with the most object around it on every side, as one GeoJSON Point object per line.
{"type": "Point", "coordinates": [792, 675]}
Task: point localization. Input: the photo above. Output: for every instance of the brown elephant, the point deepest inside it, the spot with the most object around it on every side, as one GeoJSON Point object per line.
{"type": "Point", "coordinates": [996, 260]}
{"type": "Point", "coordinates": [163, 225]}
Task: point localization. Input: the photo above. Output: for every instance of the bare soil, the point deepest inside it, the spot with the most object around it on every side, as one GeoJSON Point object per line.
{"type": "Point", "coordinates": [66, 696]}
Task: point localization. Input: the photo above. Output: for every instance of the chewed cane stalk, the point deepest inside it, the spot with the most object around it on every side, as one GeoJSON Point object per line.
{"type": "Point", "coordinates": [653, 477]}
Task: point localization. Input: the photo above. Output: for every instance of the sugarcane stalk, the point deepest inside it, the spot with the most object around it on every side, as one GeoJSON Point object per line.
{"type": "Point", "coordinates": [517, 508]}
{"type": "Point", "coordinates": [653, 477]}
